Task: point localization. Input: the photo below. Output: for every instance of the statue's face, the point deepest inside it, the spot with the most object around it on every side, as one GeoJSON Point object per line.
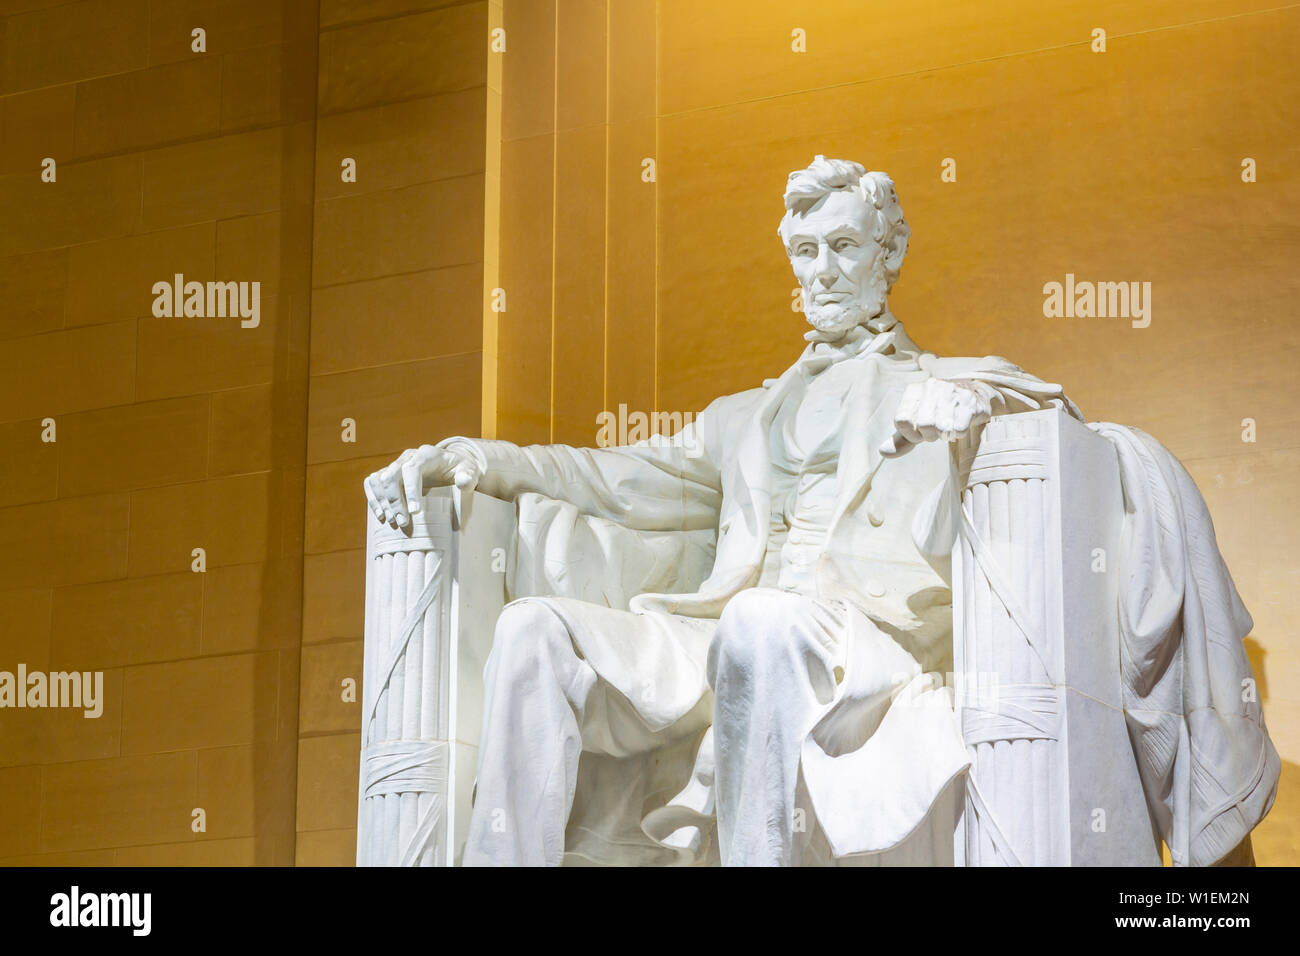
{"type": "Point", "coordinates": [837, 263]}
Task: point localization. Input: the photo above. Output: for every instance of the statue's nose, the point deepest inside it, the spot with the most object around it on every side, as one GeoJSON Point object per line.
{"type": "Point", "coordinates": [824, 270]}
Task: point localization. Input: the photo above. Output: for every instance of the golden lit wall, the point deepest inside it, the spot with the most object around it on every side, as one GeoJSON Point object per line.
{"type": "Point", "coordinates": [225, 689]}
{"type": "Point", "coordinates": [397, 278]}
{"type": "Point", "coordinates": [1122, 165]}
{"type": "Point", "coordinates": [171, 434]}
{"type": "Point", "coordinates": [612, 182]}
{"type": "Point", "coordinates": [577, 216]}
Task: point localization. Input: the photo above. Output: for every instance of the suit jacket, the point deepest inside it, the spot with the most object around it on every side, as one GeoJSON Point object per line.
{"type": "Point", "coordinates": [716, 475]}
{"type": "Point", "coordinates": [1208, 767]}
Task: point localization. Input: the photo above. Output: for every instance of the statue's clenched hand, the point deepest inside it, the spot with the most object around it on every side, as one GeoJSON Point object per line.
{"type": "Point", "coordinates": [395, 493]}
{"type": "Point", "coordinates": [938, 409]}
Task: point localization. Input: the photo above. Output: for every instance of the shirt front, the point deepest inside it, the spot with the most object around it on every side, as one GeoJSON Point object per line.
{"type": "Point", "coordinates": [805, 451]}
{"type": "Point", "coordinates": [805, 459]}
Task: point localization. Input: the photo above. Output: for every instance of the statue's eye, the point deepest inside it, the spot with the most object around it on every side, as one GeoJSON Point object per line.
{"type": "Point", "coordinates": [805, 249]}
{"type": "Point", "coordinates": [843, 243]}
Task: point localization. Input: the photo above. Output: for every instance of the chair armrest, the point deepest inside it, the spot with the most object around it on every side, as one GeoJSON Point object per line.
{"type": "Point", "coordinates": [1036, 650]}
{"type": "Point", "coordinates": [433, 593]}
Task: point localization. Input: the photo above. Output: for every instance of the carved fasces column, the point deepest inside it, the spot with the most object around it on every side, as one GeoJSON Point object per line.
{"type": "Point", "coordinates": [1036, 650]}
{"type": "Point", "coordinates": [433, 594]}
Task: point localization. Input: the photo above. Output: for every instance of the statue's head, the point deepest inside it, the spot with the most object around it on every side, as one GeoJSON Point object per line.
{"type": "Point", "coordinates": [846, 237]}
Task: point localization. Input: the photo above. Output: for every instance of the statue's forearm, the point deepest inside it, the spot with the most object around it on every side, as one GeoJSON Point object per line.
{"type": "Point", "coordinates": [509, 470]}
{"type": "Point", "coordinates": [1030, 396]}
{"type": "Point", "coordinates": [635, 486]}
{"type": "Point", "coordinates": [1016, 390]}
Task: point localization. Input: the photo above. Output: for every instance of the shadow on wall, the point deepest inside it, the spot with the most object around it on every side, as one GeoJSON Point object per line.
{"type": "Point", "coordinates": [1276, 841]}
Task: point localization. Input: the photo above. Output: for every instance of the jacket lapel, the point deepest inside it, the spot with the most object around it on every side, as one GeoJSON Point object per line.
{"type": "Point", "coordinates": [869, 420]}
{"type": "Point", "coordinates": [742, 535]}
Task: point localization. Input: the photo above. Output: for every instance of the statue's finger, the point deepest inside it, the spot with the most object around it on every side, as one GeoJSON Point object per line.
{"type": "Point", "coordinates": [896, 445]}
{"type": "Point", "coordinates": [412, 485]}
{"type": "Point", "coordinates": [466, 479]}
{"type": "Point", "coordinates": [933, 401]}
{"type": "Point", "coordinates": [371, 498]}
{"type": "Point", "coordinates": [959, 417]}
{"type": "Point", "coordinates": [953, 417]}
{"type": "Point", "coordinates": [910, 402]}
{"type": "Point", "coordinates": [380, 484]}
{"type": "Point", "coordinates": [394, 505]}
{"type": "Point", "coordinates": [400, 514]}
{"type": "Point", "coordinates": [907, 428]}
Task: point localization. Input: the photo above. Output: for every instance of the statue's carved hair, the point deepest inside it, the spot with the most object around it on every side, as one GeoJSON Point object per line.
{"type": "Point", "coordinates": [806, 187]}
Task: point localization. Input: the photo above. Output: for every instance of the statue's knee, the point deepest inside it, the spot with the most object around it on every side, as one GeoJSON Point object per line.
{"type": "Point", "coordinates": [746, 611]}
{"type": "Point", "coordinates": [526, 629]}
{"type": "Point", "coordinates": [752, 631]}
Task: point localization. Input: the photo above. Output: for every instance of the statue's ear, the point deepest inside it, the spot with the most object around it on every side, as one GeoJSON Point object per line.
{"type": "Point", "coordinates": [895, 247]}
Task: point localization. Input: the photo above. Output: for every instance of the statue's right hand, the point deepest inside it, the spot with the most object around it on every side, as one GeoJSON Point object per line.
{"type": "Point", "coordinates": [396, 492]}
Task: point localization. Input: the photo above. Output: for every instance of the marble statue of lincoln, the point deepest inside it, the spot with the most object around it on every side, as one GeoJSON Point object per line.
{"type": "Point", "coordinates": [819, 628]}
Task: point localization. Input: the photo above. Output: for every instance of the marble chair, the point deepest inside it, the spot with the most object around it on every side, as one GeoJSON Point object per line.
{"type": "Point", "coordinates": [1036, 644]}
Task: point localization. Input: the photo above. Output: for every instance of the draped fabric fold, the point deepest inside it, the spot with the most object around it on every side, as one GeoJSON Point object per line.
{"type": "Point", "coordinates": [1208, 767]}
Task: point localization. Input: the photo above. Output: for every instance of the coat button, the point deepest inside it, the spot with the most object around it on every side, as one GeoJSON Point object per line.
{"type": "Point", "coordinates": [875, 589]}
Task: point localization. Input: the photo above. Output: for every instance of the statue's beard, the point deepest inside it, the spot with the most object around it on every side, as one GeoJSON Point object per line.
{"type": "Point", "coordinates": [836, 318]}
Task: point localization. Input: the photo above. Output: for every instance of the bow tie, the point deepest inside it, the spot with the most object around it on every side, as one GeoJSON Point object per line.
{"type": "Point", "coordinates": [876, 335]}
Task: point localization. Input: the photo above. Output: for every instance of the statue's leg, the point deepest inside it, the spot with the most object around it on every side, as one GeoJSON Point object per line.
{"type": "Point", "coordinates": [536, 686]}
{"type": "Point", "coordinates": [772, 667]}
{"type": "Point", "coordinates": [566, 676]}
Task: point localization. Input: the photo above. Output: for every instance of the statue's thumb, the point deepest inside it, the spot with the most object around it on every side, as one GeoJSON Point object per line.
{"type": "Point", "coordinates": [894, 446]}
